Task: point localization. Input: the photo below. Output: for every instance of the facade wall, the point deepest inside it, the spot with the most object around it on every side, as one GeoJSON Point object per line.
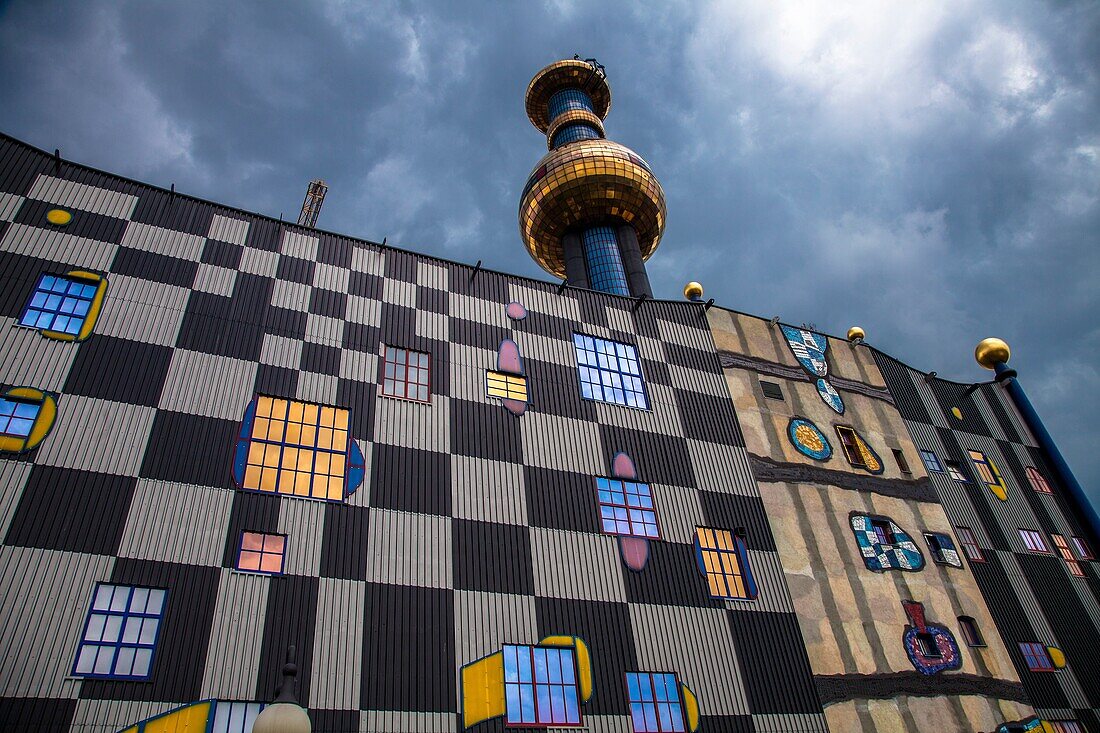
{"type": "Point", "coordinates": [1033, 596]}
{"type": "Point", "coordinates": [851, 616]}
{"type": "Point", "coordinates": [472, 527]}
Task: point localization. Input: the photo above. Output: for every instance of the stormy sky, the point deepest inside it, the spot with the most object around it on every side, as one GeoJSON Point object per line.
{"type": "Point", "coordinates": [929, 171]}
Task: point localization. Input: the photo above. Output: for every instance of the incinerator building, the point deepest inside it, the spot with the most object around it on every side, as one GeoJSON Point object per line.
{"type": "Point", "coordinates": [471, 500]}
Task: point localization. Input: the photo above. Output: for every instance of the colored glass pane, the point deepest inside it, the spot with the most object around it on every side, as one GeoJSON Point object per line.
{"type": "Point", "coordinates": [1033, 540]}
{"type": "Point", "coordinates": [297, 448]}
{"type": "Point", "coordinates": [573, 133]}
{"type": "Point", "coordinates": [540, 686]}
{"type": "Point", "coordinates": [955, 471]}
{"type": "Point", "coordinates": [1064, 551]}
{"type": "Point", "coordinates": [724, 561]}
{"type": "Point", "coordinates": [969, 544]}
{"type": "Point", "coordinates": [605, 262]}
{"type": "Point", "coordinates": [931, 462]}
{"type": "Point", "coordinates": [59, 304]}
{"type": "Point", "coordinates": [235, 717]}
{"type": "Point", "coordinates": [655, 705]}
{"type": "Point", "coordinates": [405, 374]}
{"type": "Point", "coordinates": [506, 386]}
{"type": "Point", "coordinates": [849, 441]}
{"type": "Point", "coordinates": [609, 372]}
{"type": "Point", "coordinates": [626, 508]}
{"type": "Point", "coordinates": [1083, 550]}
{"type": "Point", "coordinates": [943, 549]}
{"type": "Point", "coordinates": [1036, 657]}
{"type": "Point", "coordinates": [17, 417]}
{"type": "Point", "coordinates": [261, 553]}
{"type": "Point", "coordinates": [1038, 481]}
{"type": "Point", "coordinates": [120, 632]}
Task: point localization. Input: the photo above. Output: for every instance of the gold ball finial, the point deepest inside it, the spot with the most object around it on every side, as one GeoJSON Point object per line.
{"type": "Point", "coordinates": [855, 333]}
{"type": "Point", "coordinates": [693, 291]}
{"type": "Point", "coordinates": [990, 351]}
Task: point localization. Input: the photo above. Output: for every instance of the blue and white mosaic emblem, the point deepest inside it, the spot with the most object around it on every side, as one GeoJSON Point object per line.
{"type": "Point", "coordinates": [885, 547]}
{"type": "Point", "coordinates": [830, 396]}
{"type": "Point", "coordinates": [809, 348]}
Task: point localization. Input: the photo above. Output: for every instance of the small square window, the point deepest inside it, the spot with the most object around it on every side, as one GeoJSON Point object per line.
{"type": "Point", "coordinates": [943, 549]}
{"type": "Point", "coordinates": [1038, 481]}
{"type": "Point", "coordinates": [1036, 657]}
{"type": "Point", "coordinates": [928, 646]}
{"type": "Point", "coordinates": [626, 508]}
{"type": "Point", "coordinates": [1063, 550]}
{"type": "Point", "coordinates": [969, 628]}
{"type": "Point", "coordinates": [724, 561]}
{"type": "Point", "coordinates": [954, 470]}
{"type": "Point", "coordinates": [609, 372]}
{"type": "Point", "coordinates": [1033, 541]}
{"type": "Point", "coordinates": [969, 544]}
{"type": "Point", "coordinates": [59, 304]}
{"type": "Point", "coordinates": [17, 417]}
{"type": "Point", "coordinates": [506, 386]}
{"type": "Point", "coordinates": [771, 390]}
{"type": "Point", "coordinates": [1083, 550]}
{"type": "Point", "coordinates": [655, 704]}
{"type": "Point", "coordinates": [883, 531]}
{"type": "Point", "coordinates": [931, 462]}
{"type": "Point", "coordinates": [120, 632]}
{"type": "Point", "coordinates": [540, 686]}
{"type": "Point", "coordinates": [262, 553]}
{"type": "Point", "coordinates": [899, 457]}
{"type": "Point", "coordinates": [405, 374]}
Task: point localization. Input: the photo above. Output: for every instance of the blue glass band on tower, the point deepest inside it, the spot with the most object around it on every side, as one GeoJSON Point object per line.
{"type": "Point", "coordinates": [605, 262]}
{"type": "Point", "coordinates": [564, 101]}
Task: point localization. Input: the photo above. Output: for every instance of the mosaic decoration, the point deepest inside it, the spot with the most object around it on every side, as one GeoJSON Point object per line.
{"type": "Point", "coordinates": [808, 439]}
{"type": "Point", "coordinates": [989, 474]}
{"type": "Point", "coordinates": [515, 311]}
{"type": "Point", "coordinates": [626, 510]}
{"type": "Point", "coordinates": [858, 451]}
{"type": "Point", "coordinates": [297, 448]}
{"type": "Point", "coordinates": [508, 382]}
{"type": "Point", "coordinates": [541, 685]}
{"type": "Point", "coordinates": [1032, 724]}
{"type": "Point", "coordinates": [943, 549]}
{"type": "Point", "coordinates": [659, 703]}
{"type": "Point", "coordinates": [26, 418]}
{"type": "Point", "coordinates": [65, 307]}
{"type": "Point", "coordinates": [809, 348]}
{"type": "Point", "coordinates": [884, 545]}
{"type": "Point", "coordinates": [931, 647]}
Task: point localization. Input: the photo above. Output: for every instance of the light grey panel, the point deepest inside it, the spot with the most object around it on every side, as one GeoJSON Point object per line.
{"type": "Point", "coordinates": [487, 491]}
{"type": "Point", "coordinates": [432, 275]}
{"type": "Point", "coordinates": [409, 549]}
{"type": "Point", "coordinates": [299, 244]}
{"type": "Point", "coordinates": [564, 444]}
{"type": "Point", "coordinates": [107, 716]}
{"type": "Point", "coordinates": [771, 585]}
{"type": "Point", "coordinates": [227, 229]}
{"type": "Point", "coordinates": [414, 424]}
{"type": "Point", "coordinates": [324, 330]}
{"type": "Point", "coordinates": [59, 247]}
{"type": "Point", "coordinates": [29, 359]}
{"type": "Point", "coordinates": [82, 196]}
{"type": "Point", "coordinates": [236, 636]}
{"type": "Point", "coordinates": [215, 280]}
{"type": "Point", "coordinates": [433, 325]}
{"type": "Point", "coordinates": [575, 565]}
{"type": "Point", "coordinates": [9, 206]}
{"type": "Point", "coordinates": [208, 385]}
{"type": "Point", "coordinates": [678, 511]}
{"type": "Point", "coordinates": [314, 387]}
{"type": "Point", "coordinates": [337, 645]}
{"type": "Point", "coordinates": [331, 277]}
{"type": "Point", "coordinates": [291, 295]}
{"type": "Point", "coordinates": [142, 310]}
{"type": "Point", "coordinates": [485, 622]}
{"type": "Point", "coordinates": [389, 721]}
{"type": "Point", "coordinates": [115, 445]}
{"type": "Point", "coordinates": [281, 351]}
{"type": "Point", "coordinates": [539, 300]}
{"type": "Point", "coordinates": [724, 469]}
{"type": "Point", "coordinates": [163, 241]}
{"type": "Point", "coordinates": [301, 521]}
{"type": "Point", "coordinates": [259, 262]}
{"type": "Point", "coordinates": [45, 600]}
{"type": "Point", "coordinates": [173, 522]}
{"type": "Point", "coordinates": [13, 479]}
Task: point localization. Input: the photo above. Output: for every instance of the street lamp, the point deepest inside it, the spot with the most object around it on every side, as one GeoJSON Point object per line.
{"type": "Point", "coordinates": [284, 715]}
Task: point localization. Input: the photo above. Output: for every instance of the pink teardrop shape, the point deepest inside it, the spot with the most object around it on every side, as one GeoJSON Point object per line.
{"type": "Point", "coordinates": [635, 551]}
{"type": "Point", "coordinates": [508, 359]}
{"type": "Point", "coordinates": [622, 466]}
{"type": "Point", "coordinates": [516, 407]}
{"type": "Point", "coordinates": [516, 311]}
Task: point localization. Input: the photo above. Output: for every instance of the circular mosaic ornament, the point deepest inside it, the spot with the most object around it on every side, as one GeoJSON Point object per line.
{"type": "Point", "coordinates": [58, 217]}
{"type": "Point", "coordinates": [808, 439]}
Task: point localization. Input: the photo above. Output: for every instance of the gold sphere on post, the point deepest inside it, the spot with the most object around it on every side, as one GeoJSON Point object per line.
{"type": "Point", "coordinates": [693, 291]}
{"type": "Point", "coordinates": [856, 334]}
{"type": "Point", "coordinates": [990, 351]}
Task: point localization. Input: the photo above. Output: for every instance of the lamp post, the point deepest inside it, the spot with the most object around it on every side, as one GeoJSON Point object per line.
{"type": "Point", "coordinates": [284, 715]}
{"type": "Point", "coordinates": [993, 353]}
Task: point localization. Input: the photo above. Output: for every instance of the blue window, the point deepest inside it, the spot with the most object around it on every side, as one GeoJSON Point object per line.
{"type": "Point", "coordinates": [609, 372]}
{"type": "Point", "coordinates": [120, 634]}
{"type": "Point", "coordinates": [655, 705]}
{"type": "Point", "coordinates": [626, 507]}
{"type": "Point", "coordinates": [605, 262]}
{"type": "Point", "coordinates": [566, 100]}
{"type": "Point", "coordinates": [931, 462]}
{"type": "Point", "coordinates": [17, 417]}
{"type": "Point", "coordinates": [59, 304]}
{"type": "Point", "coordinates": [540, 686]}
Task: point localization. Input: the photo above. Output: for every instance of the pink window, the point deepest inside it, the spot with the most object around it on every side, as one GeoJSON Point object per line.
{"type": "Point", "coordinates": [969, 544]}
{"type": "Point", "coordinates": [262, 553]}
{"type": "Point", "coordinates": [1038, 482]}
{"type": "Point", "coordinates": [1033, 540]}
{"type": "Point", "coordinates": [1063, 550]}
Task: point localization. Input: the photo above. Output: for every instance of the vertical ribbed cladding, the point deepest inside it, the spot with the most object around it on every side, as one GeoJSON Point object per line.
{"type": "Point", "coordinates": [906, 398]}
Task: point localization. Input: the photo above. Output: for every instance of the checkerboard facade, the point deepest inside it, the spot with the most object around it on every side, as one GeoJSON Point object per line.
{"type": "Point", "coordinates": [473, 528]}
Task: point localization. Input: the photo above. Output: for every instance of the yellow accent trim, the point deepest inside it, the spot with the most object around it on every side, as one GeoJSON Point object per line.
{"type": "Point", "coordinates": [957, 413]}
{"type": "Point", "coordinates": [43, 423]}
{"type": "Point", "coordinates": [26, 393]}
{"type": "Point", "coordinates": [97, 303]}
{"type": "Point", "coordinates": [998, 492]}
{"type": "Point", "coordinates": [9, 444]}
{"type": "Point", "coordinates": [691, 708]}
{"type": "Point", "coordinates": [483, 689]}
{"type": "Point", "coordinates": [1057, 657]}
{"type": "Point", "coordinates": [585, 681]}
{"type": "Point", "coordinates": [58, 217]}
{"type": "Point", "coordinates": [1047, 727]}
{"type": "Point", "coordinates": [191, 718]}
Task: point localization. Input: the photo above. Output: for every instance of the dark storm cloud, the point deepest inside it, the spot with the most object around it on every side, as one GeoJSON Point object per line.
{"type": "Point", "coordinates": [931, 173]}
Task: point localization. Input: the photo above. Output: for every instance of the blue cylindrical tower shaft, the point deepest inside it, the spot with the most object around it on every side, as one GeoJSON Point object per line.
{"type": "Point", "coordinates": [1076, 494]}
{"type": "Point", "coordinates": [605, 262]}
{"type": "Point", "coordinates": [564, 101]}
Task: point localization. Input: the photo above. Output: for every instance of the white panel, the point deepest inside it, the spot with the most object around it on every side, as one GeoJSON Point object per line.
{"type": "Point", "coordinates": [259, 262]}
{"type": "Point", "coordinates": [9, 206]}
{"type": "Point", "coordinates": [291, 295]}
{"type": "Point", "coordinates": [82, 196]}
{"type": "Point", "coordinates": [225, 229]}
{"type": "Point", "coordinates": [208, 385]}
{"type": "Point", "coordinates": [142, 310]}
{"type": "Point", "coordinates": [331, 277]}
{"type": "Point", "coordinates": [301, 521]}
{"type": "Point", "coordinates": [297, 244]}
{"type": "Point", "coordinates": [215, 280]}
{"type": "Point", "coordinates": [337, 645]}
{"type": "Point", "coordinates": [564, 444]}
{"type": "Point", "coordinates": [13, 479]}
{"type": "Point", "coordinates": [179, 523]}
{"type": "Point", "coordinates": [409, 549]}
{"type": "Point", "coordinates": [324, 330]}
{"type": "Point", "coordinates": [233, 653]}
{"type": "Point", "coordinates": [97, 435]}
{"type": "Point", "coordinates": [399, 292]}
{"type": "Point", "coordinates": [432, 275]}
{"type": "Point", "coordinates": [59, 247]}
{"type": "Point", "coordinates": [281, 351]}
{"type": "Point", "coordinates": [432, 325]}
{"type": "Point", "coordinates": [414, 424]}
{"type": "Point", "coordinates": [314, 387]}
{"type": "Point", "coordinates": [578, 566]}
{"type": "Point", "coordinates": [163, 241]}
{"type": "Point", "coordinates": [27, 358]}
{"type": "Point", "coordinates": [488, 491]}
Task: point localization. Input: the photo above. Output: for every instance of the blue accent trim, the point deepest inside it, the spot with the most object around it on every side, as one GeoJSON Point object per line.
{"type": "Point", "coordinates": [356, 466]}
{"type": "Point", "coordinates": [119, 643]}
{"type": "Point", "coordinates": [240, 457]}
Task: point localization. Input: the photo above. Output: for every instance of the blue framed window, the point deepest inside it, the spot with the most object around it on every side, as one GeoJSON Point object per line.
{"type": "Point", "coordinates": [540, 686]}
{"type": "Point", "coordinates": [723, 559]}
{"type": "Point", "coordinates": [626, 507]}
{"type": "Point", "coordinates": [1036, 657]}
{"type": "Point", "coordinates": [931, 462]}
{"type": "Point", "coordinates": [17, 417]}
{"type": "Point", "coordinates": [120, 633]}
{"type": "Point", "coordinates": [59, 304]}
{"type": "Point", "coordinates": [655, 705]}
{"type": "Point", "coordinates": [609, 372]}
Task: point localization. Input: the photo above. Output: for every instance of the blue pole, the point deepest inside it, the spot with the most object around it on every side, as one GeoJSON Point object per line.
{"type": "Point", "coordinates": [1076, 494]}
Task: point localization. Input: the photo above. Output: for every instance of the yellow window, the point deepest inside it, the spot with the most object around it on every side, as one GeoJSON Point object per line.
{"type": "Point", "coordinates": [506, 386]}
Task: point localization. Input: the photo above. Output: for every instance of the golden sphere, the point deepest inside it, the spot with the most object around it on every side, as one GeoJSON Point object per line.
{"type": "Point", "coordinates": [589, 183]}
{"type": "Point", "coordinates": [990, 351]}
{"type": "Point", "coordinates": [693, 290]}
{"type": "Point", "coordinates": [855, 332]}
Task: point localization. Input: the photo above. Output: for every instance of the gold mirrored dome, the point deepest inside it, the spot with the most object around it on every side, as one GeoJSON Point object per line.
{"type": "Point", "coordinates": [855, 332]}
{"type": "Point", "coordinates": [990, 351]}
{"type": "Point", "coordinates": [693, 290]}
{"type": "Point", "coordinates": [589, 183]}
{"type": "Point", "coordinates": [569, 73]}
